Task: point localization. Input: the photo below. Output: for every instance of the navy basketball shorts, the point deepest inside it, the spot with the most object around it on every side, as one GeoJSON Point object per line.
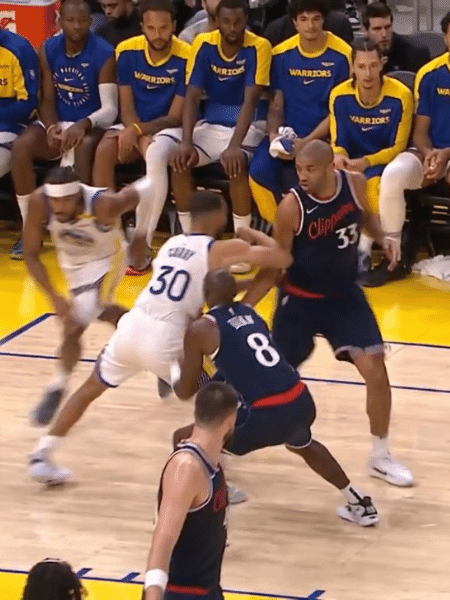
{"type": "Point", "coordinates": [215, 594]}
{"type": "Point", "coordinates": [283, 424]}
{"type": "Point", "coordinates": [347, 322]}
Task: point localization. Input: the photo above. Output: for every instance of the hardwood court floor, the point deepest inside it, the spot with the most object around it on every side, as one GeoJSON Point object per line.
{"type": "Point", "coordinates": [287, 539]}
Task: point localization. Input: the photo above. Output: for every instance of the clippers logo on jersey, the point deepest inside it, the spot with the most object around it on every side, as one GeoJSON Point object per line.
{"type": "Point", "coordinates": [71, 86]}
{"type": "Point", "coordinates": [325, 247]}
{"type": "Point", "coordinates": [324, 226]}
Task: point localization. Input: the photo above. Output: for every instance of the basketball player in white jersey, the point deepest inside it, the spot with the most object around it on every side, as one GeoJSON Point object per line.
{"type": "Point", "coordinates": [85, 226]}
{"type": "Point", "coordinates": [150, 336]}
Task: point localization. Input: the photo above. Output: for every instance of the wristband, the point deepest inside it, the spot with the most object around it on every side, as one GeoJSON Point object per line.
{"type": "Point", "coordinates": [138, 129]}
{"type": "Point", "coordinates": [156, 577]}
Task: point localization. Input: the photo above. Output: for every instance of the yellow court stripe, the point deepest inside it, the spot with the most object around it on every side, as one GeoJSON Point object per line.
{"type": "Point", "coordinates": [12, 584]}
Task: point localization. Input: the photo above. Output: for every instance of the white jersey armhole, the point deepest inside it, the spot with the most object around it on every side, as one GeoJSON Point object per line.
{"type": "Point", "coordinates": [348, 177]}
{"type": "Point", "coordinates": [301, 216]}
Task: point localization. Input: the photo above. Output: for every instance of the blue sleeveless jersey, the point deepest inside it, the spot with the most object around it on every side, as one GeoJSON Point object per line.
{"type": "Point", "coordinates": [248, 359]}
{"type": "Point", "coordinates": [326, 244]}
{"type": "Point", "coordinates": [76, 77]}
{"type": "Point", "coordinates": [196, 559]}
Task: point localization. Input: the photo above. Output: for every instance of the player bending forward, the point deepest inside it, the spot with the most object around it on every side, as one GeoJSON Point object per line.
{"type": "Point", "coordinates": [85, 226]}
{"type": "Point", "coordinates": [277, 406]}
{"type": "Point", "coordinates": [150, 336]}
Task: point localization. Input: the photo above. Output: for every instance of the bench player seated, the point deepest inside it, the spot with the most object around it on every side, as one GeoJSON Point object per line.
{"type": "Point", "coordinates": [305, 68]}
{"type": "Point", "coordinates": [85, 226]}
{"type": "Point", "coordinates": [231, 65]}
{"type": "Point", "coordinates": [370, 124]}
{"type": "Point", "coordinates": [19, 86]}
{"type": "Point", "coordinates": [78, 100]}
{"type": "Point", "coordinates": [277, 406]}
{"type": "Point", "coordinates": [151, 71]}
{"type": "Point", "coordinates": [426, 164]}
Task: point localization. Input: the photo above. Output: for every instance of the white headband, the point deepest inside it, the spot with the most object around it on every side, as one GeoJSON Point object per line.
{"type": "Point", "coordinates": [59, 190]}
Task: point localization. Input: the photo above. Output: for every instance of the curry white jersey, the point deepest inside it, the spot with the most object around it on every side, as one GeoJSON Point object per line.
{"type": "Point", "coordinates": [86, 250]}
{"type": "Point", "coordinates": [175, 292]}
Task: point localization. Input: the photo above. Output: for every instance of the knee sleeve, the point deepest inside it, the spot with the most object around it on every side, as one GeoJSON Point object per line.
{"type": "Point", "coordinates": [156, 159]}
{"type": "Point", "coordinates": [405, 172]}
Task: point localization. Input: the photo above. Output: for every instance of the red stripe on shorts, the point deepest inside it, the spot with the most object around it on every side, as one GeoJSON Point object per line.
{"type": "Point", "coordinates": [283, 398]}
{"type": "Point", "coordinates": [300, 292]}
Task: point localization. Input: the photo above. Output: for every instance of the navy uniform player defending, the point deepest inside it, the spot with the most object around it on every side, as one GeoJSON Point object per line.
{"type": "Point", "coordinates": [278, 408]}
{"type": "Point", "coordinates": [320, 221]}
{"type": "Point", "coordinates": [185, 559]}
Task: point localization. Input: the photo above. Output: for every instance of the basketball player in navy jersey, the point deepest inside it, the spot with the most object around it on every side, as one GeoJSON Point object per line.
{"type": "Point", "coordinates": [320, 222]}
{"type": "Point", "coordinates": [277, 406]}
{"type": "Point", "coordinates": [185, 558]}
{"type": "Point", "coordinates": [78, 101]}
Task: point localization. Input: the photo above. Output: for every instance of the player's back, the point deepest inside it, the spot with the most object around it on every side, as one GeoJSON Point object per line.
{"type": "Point", "coordinates": [84, 244]}
{"type": "Point", "coordinates": [175, 292]}
{"type": "Point", "coordinates": [326, 243]}
{"type": "Point", "coordinates": [248, 359]}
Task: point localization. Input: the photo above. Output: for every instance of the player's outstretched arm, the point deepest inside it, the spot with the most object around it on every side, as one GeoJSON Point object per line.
{"type": "Point", "coordinates": [32, 238]}
{"type": "Point", "coordinates": [286, 223]}
{"type": "Point", "coordinates": [201, 339]}
{"type": "Point", "coordinates": [181, 485]}
{"type": "Point", "coordinates": [110, 206]}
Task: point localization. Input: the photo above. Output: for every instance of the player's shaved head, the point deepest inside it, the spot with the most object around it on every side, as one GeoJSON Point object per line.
{"type": "Point", "coordinates": [318, 151]}
{"type": "Point", "coordinates": [220, 287]}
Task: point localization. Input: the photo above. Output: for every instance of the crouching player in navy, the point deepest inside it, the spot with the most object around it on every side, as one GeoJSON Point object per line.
{"type": "Point", "coordinates": [277, 407]}
{"type": "Point", "coordinates": [320, 221]}
{"type": "Point", "coordinates": [186, 555]}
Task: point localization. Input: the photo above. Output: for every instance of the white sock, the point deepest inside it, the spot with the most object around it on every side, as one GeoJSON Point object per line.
{"type": "Point", "coordinates": [365, 244]}
{"type": "Point", "coordinates": [241, 221]}
{"type": "Point", "coordinates": [47, 444]}
{"type": "Point", "coordinates": [23, 205]}
{"type": "Point", "coordinates": [185, 221]}
{"type": "Point", "coordinates": [379, 445]}
{"type": "Point", "coordinates": [351, 494]}
{"type": "Point", "coordinates": [60, 380]}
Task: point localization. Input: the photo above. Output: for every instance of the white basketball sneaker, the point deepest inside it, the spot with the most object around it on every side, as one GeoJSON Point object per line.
{"type": "Point", "coordinates": [43, 470]}
{"type": "Point", "coordinates": [363, 513]}
{"type": "Point", "coordinates": [384, 466]}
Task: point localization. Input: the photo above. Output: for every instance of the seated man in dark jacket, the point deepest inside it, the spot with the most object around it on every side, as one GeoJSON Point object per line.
{"type": "Point", "coordinates": [283, 28]}
{"type": "Point", "coordinates": [400, 53]}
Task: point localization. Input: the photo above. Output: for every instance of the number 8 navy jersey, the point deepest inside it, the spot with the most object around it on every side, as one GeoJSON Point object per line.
{"type": "Point", "coordinates": [175, 292]}
{"type": "Point", "coordinates": [248, 359]}
{"type": "Point", "coordinates": [325, 247]}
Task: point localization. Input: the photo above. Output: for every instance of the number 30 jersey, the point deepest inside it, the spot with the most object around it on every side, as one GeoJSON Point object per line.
{"type": "Point", "coordinates": [248, 359]}
{"type": "Point", "coordinates": [175, 292]}
{"type": "Point", "coordinates": [325, 247]}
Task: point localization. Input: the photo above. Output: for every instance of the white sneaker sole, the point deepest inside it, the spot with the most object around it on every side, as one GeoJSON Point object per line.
{"type": "Point", "coordinates": [406, 481]}
{"type": "Point", "coordinates": [40, 472]}
{"type": "Point", "coordinates": [344, 513]}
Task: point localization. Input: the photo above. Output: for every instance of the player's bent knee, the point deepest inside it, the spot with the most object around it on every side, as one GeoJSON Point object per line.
{"type": "Point", "coordinates": [372, 367]}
